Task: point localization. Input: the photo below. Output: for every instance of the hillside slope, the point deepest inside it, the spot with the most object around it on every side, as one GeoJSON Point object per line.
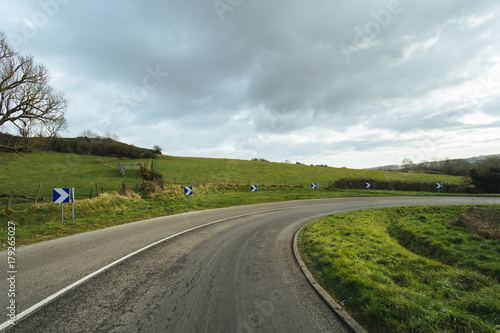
{"type": "Point", "coordinates": [83, 172]}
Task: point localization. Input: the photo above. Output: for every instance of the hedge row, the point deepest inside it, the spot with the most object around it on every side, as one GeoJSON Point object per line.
{"type": "Point", "coordinates": [81, 145]}
{"type": "Point", "coordinates": [397, 185]}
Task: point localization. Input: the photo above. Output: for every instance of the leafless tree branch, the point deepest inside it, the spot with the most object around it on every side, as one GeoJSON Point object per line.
{"type": "Point", "coordinates": [26, 99]}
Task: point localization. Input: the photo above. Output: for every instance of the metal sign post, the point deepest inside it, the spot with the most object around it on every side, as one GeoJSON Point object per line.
{"type": "Point", "coordinates": [73, 202]}
{"type": "Point", "coordinates": [439, 187]}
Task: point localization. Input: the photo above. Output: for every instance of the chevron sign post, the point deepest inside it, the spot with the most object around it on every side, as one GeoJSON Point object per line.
{"type": "Point", "coordinates": [188, 190]}
{"type": "Point", "coordinates": [315, 186]}
{"type": "Point", "coordinates": [439, 187]}
{"type": "Point", "coordinates": [368, 185]}
{"type": "Point", "coordinates": [62, 196]}
{"type": "Point", "coordinates": [254, 189]}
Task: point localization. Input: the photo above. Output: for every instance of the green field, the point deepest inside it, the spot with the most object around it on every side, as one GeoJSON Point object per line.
{"type": "Point", "coordinates": [53, 170]}
{"type": "Point", "coordinates": [183, 170]}
{"type": "Point", "coordinates": [444, 278]}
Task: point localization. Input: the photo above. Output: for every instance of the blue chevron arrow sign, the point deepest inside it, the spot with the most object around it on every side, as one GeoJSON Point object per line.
{"type": "Point", "coordinates": [60, 195]}
{"type": "Point", "coordinates": [188, 190]}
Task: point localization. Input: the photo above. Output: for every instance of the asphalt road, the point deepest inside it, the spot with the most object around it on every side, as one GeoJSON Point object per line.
{"type": "Point", "coordinates": [237, 274]}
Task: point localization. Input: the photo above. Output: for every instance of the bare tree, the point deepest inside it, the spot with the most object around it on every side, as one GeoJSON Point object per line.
{"type": "Point", "coordinates": [26, 99]}
{"type": "Point", "coordinates": [407, 164]}
{"type": "Point", "coordinates": [89, 134]}
{"type": "Point", "coordinates": [54, 128]}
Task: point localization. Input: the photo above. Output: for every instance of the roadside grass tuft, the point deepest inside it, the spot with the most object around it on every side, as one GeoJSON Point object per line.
{"type": "Point", "coordinates": [390, 288]}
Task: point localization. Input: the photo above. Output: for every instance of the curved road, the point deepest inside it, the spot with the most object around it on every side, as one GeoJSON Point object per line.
{"type": "Point", "coordinates": [233, 271]}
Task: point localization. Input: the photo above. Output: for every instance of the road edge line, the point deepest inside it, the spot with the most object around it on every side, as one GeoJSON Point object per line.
{"type": "Point", "coordinates": [346, 317]}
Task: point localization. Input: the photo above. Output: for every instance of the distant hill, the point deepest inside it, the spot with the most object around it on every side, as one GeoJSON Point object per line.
{"type": "Point", "coordinates": [470, 160]}
{"type": "Point", "coordinates": [480, 158]}
{"type": "Point", "coordinates": [385, 167]}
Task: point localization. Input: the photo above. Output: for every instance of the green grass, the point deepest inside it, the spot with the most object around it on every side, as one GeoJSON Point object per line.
{"type": "Point", "coordinates": [426, 235]}
{"type": "Point", "coordinates": [184, 170]}
{"type": "Point", "coordinates": [53, 170]}
{"type": "Point", "coordinates": [452, 287]}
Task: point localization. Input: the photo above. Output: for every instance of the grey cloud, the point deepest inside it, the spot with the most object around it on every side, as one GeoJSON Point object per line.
{"type": "Point", "coordinates": [267, 69]}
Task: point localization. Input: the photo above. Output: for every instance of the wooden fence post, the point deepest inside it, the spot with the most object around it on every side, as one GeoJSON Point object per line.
{"type": "Point", "coordinates": [38, 192]}
{"type": "Point", "coordinates": [10, 199]}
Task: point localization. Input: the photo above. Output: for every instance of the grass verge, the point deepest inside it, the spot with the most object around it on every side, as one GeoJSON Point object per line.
{"type": "Point", "coordinates": [445, 281]}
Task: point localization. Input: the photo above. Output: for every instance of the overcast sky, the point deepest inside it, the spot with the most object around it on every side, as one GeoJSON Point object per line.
{"type": "Point", "coordinates": [343, 83]}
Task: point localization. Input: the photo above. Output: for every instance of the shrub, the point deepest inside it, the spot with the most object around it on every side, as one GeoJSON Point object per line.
{"type": "Point", "coordinates": [150, 174]}
{"type": "Point", "coordinates": [397, 185]}
{"type": "Point", "coordinates": [487, 180]}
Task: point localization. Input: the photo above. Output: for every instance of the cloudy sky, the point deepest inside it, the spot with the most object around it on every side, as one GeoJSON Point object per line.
{"type": "Point", "coordinates": [344, 83]}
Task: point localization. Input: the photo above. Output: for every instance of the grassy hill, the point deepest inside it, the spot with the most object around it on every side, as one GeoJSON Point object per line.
{"type": "Point", "coordinates": [183, 170]}
{"type": "Point", "coordinates": [83, 172]}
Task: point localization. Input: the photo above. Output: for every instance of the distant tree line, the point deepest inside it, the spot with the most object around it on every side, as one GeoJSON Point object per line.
{"type": "Point", "coordinates": [83, 145]}
{"type": "Point", "coordinates": [484, 173]}
{"type": "Point", "coordinates": [456, 167]}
